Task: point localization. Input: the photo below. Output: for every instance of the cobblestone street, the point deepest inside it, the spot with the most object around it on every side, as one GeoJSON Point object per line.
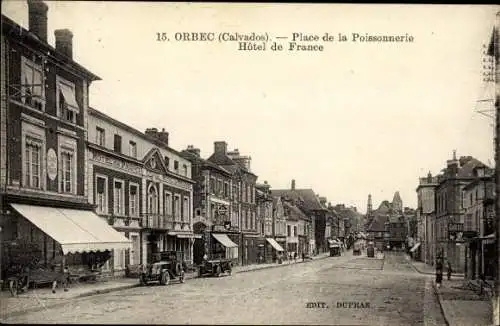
{"type": "Point", "coordinates": [395, 295]}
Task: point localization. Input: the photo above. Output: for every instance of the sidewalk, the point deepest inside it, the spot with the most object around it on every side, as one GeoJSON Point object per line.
{"type": "Point", "coordinates": [424, 268]}
{"type": "Point", "coordinates": [462, 306]}
{"type": "Point", "coordinates": [39, 299]}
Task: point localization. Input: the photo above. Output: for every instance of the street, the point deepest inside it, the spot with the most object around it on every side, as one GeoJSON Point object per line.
{"type": "Point", "coordinates": [335, 290]}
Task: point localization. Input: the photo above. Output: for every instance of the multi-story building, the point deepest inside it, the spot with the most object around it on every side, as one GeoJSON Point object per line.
{"type": "Point", "coordinates": [142, 187]}
{"type": "Point", "coordinates": [243, 205]}
{"type": "Point", "coordinates": [314, 212]}
{"type": "Point", "coordinates": [293, 215]}
{"type": "Point", "coordinates": [43, 190]}
{"type": "Point", "coordinates": [478, 202]}
{"type": "Point", "coordinates": [264, 200]}
{"type": "Point", "coordinates": [279, 222]}
{"type": "Point", "coordinates": [449, 212]}
{"type": "Point", "coordinates": [426, 218]}
{"type": "Point", "coordinates": [213, 221]}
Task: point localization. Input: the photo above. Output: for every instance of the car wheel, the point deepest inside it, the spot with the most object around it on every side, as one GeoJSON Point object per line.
{"type": "Point", "coordinates": [165, 278]}
{"type": "Point", "coordinates": [217, 271]}
{"type": "Point", "coordinates": [13, 287]}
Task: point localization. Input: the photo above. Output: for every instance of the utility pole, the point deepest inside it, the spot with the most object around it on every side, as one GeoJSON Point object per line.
{"type": "Point", "coordinates": [494, 51]}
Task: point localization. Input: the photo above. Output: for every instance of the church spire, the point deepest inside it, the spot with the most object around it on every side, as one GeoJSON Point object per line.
{"type": "Point", "coordinates": [369, 208]}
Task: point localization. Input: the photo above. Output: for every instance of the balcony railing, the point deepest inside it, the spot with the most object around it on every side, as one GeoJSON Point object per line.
{"type": "Point", "coordinates": [157, 221]}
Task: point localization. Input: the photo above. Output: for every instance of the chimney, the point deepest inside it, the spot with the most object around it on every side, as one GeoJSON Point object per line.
{"type": "Point", "coordinates": [159, 135]}
{"type": "Point", "coordinates": [452, 165]}
{"type": "Point", "coordinates": [192, 150]}
{"type": "Point", "coordinates": [293, 184]}
{"type": "Point", "coordinates": [38, 19]}
{"type": "Point", "coordinates": [64, 42]}
{"type": "Point", "coordinates": [429, 177]}
{"type": "Point", "coordinates": [220, 147]}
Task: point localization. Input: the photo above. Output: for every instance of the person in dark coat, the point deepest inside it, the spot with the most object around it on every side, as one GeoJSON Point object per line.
{"type": "Point", "coordinates": [449, 271]}
{"type": "Point", "coordinates": [439, 272]}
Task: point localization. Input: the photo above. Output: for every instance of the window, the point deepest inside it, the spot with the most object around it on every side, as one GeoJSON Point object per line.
{"type": "Point", "coordinates": [294, 231]}
{"type": "Point", "coordinates": [101, 195]}
{"type": "Point", "coordinates": [185, 209]}
{"type": "Point", "coordinates": [133, 205]}
{"type": "Point", "coordinates": [133, 149]}
{"type": "Point", "coordinates": [212, 185]}
{"type": "Point", "coordinates": [67, 171]}
{"type": "Point", "coordinates": [176, 166]}
{"type": "Point", "coordinates": [185, 169]}
{"type": "Point", "coordinates": [288, 230]}
{"type": "Point", "coordinates": [118, 144]}
{"type": "Point", "coordinates": [32, 161]}
{"type": "Point", "coordinates": [177, 207]}
{"type": "Point", "coordinates": [118, 198]}
{"type": "Point", "coordinates": [167, 205]}
{"type": "Point", "coordinates": [152, 200]}
{"type": "Point", "coordinates": [167, 162]}
{"type": "Point", "coordinates": [33, 85]}
{"type": "Point", "coordinates": [100, 136]}
{"type": "Point", "coordinates": [66, 100]}
{"type": "Point", "coordinates": [226, 189]}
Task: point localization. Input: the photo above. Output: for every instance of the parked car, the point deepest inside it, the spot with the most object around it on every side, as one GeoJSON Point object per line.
{"type": "Point", "coordinates": [170, 266]}
{"type": "Point", "coordinates": [215, 267]}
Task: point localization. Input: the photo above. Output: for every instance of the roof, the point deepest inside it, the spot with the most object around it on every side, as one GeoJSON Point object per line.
{"type": "Point", "coordinates": [10, 27]}
{"type": "Point", "coordinates": [131, 129]}
{"type": "Point", "coordinates": [306, 196]}
{"type": "Point", "coordinates": [467, 170]}
{"type": "Point", "coordinates": [493, 45]}
{"type": "Point", "coordinates": [378, 223]}
{"type": "Point", "coordinates": [227, 163]}
{"type": "Point", "coordinates": [295, 212]}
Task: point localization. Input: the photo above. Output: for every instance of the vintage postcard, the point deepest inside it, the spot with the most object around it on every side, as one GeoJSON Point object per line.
{"type": "Point", "coordinates": [265, 163]}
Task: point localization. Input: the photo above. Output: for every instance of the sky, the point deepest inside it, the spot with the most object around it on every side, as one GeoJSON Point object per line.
{"type": "Point", "coordinates": [352, 120]}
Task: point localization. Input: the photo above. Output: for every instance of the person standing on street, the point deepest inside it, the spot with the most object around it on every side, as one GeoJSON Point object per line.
{"type": "Point", "coordinates": [449, 270]}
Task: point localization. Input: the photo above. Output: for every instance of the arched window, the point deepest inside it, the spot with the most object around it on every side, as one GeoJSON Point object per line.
{"type": "Point", "coordinates": [152, 200]}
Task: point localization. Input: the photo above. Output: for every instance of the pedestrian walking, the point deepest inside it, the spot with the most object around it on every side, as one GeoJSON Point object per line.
{"type": "Point", "coordinates": [303, 256]}
{"type": "Point", "coordinates": [449, 270]}
{"type": "Point", "coordinates": [439, 272]}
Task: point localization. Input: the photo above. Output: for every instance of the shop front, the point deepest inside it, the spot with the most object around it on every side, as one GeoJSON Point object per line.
{"type": "Point", "coordinates": [222, 247]}
{"type": "Point", "coordinates": [61, 237]}
{"type": "Point", "coordinates": [275, 249]}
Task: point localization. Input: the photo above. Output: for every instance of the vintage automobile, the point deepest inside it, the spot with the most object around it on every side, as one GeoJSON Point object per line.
{"type": "Point", "coordinates": [168, 265]}
{"type": "Point", "coordinates": [215, 267]}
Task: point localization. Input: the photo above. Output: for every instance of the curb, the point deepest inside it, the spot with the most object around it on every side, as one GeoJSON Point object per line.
{"type": "Point", "coordinates": [125, 287]}
{"type": "Point", "coordinates": [280, 265]}
{"type": "Point", "coordinates": [439, 298]}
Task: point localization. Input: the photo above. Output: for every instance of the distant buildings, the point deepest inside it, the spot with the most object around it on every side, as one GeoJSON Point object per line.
{"type": "Point", "coordinates": [455, 216]}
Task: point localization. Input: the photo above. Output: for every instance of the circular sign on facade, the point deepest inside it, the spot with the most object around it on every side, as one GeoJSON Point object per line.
{"type": "Point", "coordinates": [51, 164]}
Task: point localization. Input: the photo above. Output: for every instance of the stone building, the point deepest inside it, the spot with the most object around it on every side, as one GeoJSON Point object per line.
{"type": "Point", "coordinates": [449, 212]}
{"type": "Point", "coordinates": [44, 114]}
{"type": "Point", "coordinates": [142, 187]}
{"type": "Point", "coordinates": [243, 206]}
{"type": "Point", "coordinates": [426, 218]}
{"type": "Point", "coordinates": [216, 226]}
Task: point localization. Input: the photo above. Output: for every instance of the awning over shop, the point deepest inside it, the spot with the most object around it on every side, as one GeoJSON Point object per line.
{"type": "Point", "coordinates": [488, 239]}
{"type": "Point", "coordinates": [184, 235]}
{"type": "Point", "coordinates": [224, 240]}
{"type": "Point", "coordinates": [274, 244]}
{"type": "Point", "coordinates": [415, 247]}
{"type": "Point", "coordinates": [75, 230]}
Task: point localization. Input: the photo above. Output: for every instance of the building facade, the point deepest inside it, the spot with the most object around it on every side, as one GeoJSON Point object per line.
{"type": "Point", "coordinates": [244, 207]}
{"type": "Point", "coordinates": [264, 201]}
{"type": "Point", "coordinates": [479, 224]}
{"type": "Point", "coordinates": [214, 221]}
{"type": "Point", "coordinates": [449, 212]}
{"type": "Point", "coordinates": [142, 187]}
{"type": "Point", "coordinates": [426, 217]}
{"type": "Point", "coordinates": [279, 222]}
{"type": "Point", "coordinates": [44, 114]}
